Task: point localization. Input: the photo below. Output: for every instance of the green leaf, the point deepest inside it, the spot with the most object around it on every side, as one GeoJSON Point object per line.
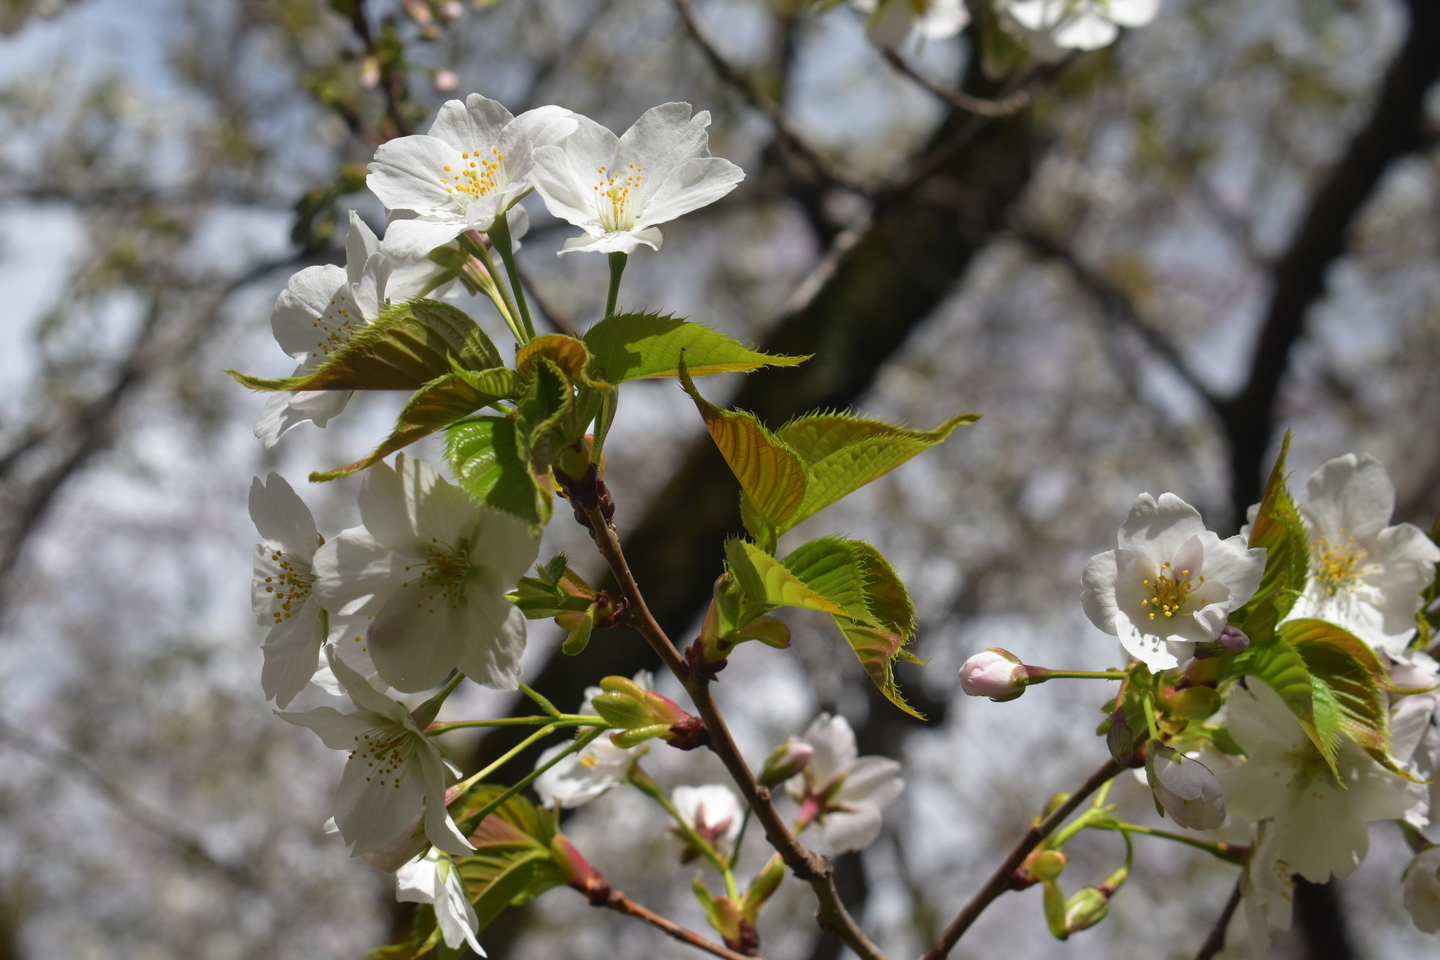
{"type": "Point", "coordinates": [1279, 529]}
{"type": "Point", "coordinates": [406, 347]}
{"type": "Point", "coordinates": [547, 400]}
{"type": "Point", "coordinates": [1282, 668]}
{"type": "Point", "coordinates": [877, 650]}
{"type": "Point", "coordinates": [1352, 678]}
{"type": "Point", "coordinates": [486, 457]}
{"type": "Point", "coordinates": [439, 403]}
{"type": "Point", "coordinates": [843, 453]}
{"type": "Point", "coordinates": [767, 584]}
{"type": "Point", "coordinates": [641, 346]}
{"type": "Point", "coordinates": [885, 594]}
{"type": "Point", "coordinates": [832, 568]}
{"type": "Point", "coordinates": [770, 473]}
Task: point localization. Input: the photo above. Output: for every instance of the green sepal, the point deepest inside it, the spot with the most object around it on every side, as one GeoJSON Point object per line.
{"type": "Point", "coordinates": [406, 347]}
{"type": "Point", "coordinates": [641, 346]}
{"type": "Point", "coordinates": [842, 453]}
{"type": "Point", "coordinates": [439, 403]}
{"type": "Point", "coordinates": [487, 458]}
{"type": "Point", "coordinates": [770, 473]}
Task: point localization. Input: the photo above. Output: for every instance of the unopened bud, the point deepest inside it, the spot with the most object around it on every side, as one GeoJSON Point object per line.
{"type": "Point", "coordinates": [446, 80]}
{"type": "Point", "coordinates": [578, 872]}
{"type": "Point", "coordinates": [766, 882]}
{"type": "Point", "coordinates": [994, 673]}
{"type": "Point", "coordinates": [785, 761]}
{"type": "Point", "coordinates": [1194, 703]}
{"type": "Point", "coordinates": [643, 714]}
{"type": "Point", "coordinates": [1046, 865]}
{"type": "Point", "coordinates": [688, 734]}
{"type": "Point", "coordinates": [1231, 640]}
{"type": "Point", "coordinates": [1085, 909]}
{"type": "Point", "coordinates": [1121, 739]}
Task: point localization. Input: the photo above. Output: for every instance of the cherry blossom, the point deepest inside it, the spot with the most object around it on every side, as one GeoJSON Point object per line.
{"type": "Point", "coordinates": [841, 791]}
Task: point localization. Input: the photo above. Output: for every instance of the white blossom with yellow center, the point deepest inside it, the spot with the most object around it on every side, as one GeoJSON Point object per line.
{"type": "Point", "coordinates": [282, 591]}
{"type": "Point", "coordinates": [620, 189]}
{"type": "Point", "coordinates": [320, 309]}
{"type": "Point", "coordinates": [394, 769]}
{"type": "Point", "coordinates": [1056, 26]}
{"type": "Point", "coordinates": [593, 770]}
{"type": "Point", "coordinates": [1170, 583]}
{"type": "Point", "coordinates": [473, 164]}
{"type": "Point", "coordinates": [1319, 822]}
{"type": "Point", "coordinates": [1364, 576]}
{"type": "Point", "coordinates": [428, 571]}
{"type": "Point", "coordinates": [433, 878]}
{"type": "Point", "coordinates": [849, 791]}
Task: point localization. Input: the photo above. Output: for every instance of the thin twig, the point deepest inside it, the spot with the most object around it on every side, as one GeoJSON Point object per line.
{"type": "Point", "coordinates": [999, 881]}
{"type": "Point", "coordinates": [1003, 107]}
{"type": "Point", "coordinates": [1215, 942]}
{"type": "Point", "coordinates": [818, 871]}
{"type": "Point", "coordinates": [791, 137]}
{"type": "Point", "coordinates": [623, 904]}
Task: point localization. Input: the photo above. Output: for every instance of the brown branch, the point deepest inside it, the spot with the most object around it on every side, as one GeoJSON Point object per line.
{"type": "Point", "coordinates": [999, 881]}
{"type": "Point", "coordinates": [1118, 307]}
{"type": "Point", "coordinates": [824, 168]}
{"type": "Point", "coordinates": [818, 871]}
{"type": "Point", "coordinates": [1002, 107]}
{"type": "Point", "coordinates": [623, 904]}
{"type": "Point", "coordinates": [1215, 942]}
{"type": "Point", "coordinates": [1395, 128]}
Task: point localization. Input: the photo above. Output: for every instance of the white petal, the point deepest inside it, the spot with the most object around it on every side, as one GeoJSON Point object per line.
{"type": "Point", "coordinates": [620, 241]}
{"type": "Point", "coordinates": [503, 543]}
{"type": "Point", "coordinates": [360, 245]}
{"type": "Point", "coordinates": [1098, 598]}
{"type": "Point", "coordinates": [873, 780]}
{"type": "Point", "coordinates": [1086, 30]}
{"type": "Point", "coordinates": [364, 695]}
{"type": "Point", "coordinates": [1133, 13]}
{"type": "Point", "coordinates": [414, 239]}
{"type": "Point", "coordinates": [943, 18]}
{"type": "Point", "coordinates": [439, 827]}
{"type": "Point", "coordinates": [415, 641]}
{"type": "Point", "coordinates": [387, 503]}
{"type": "Point", "coordinates": [282, 518]}
{"type": "Point", "coordinates": [694, 184]}
{"type": "Point", "coordinates": [1159, 528]}
{"type": "Point", "coordinates": [852, 830]}
{"type": "Point", "coordinates": [1350, 494]}
{"type": "Point", "coordinates": [417, 880]}
{"type": "Point", "coordinates": [308, 297]}
{"type": "Point", "coordinates": [292, 652]}
{"type": "Point", "coordinates": [1422, 890]}
{"type": "Point", "coordinates": [417, 173]}
{"type": "Point", "coordinates": [355, 574]}
{"type": "Point", "coordinates": [1234, 564]}
{"type": "Point", "coordinates": [372, 809]}
{"type": "Point", "coordinates": [473, 125]}
{"type": "Point", "coordinates": [835, 750]}
{"type": "Point", "coordinates": [494, 637]}
{"type": "Point", "coordinates": [663, 138]}
{"type": "Point", "coordinates": [336, 730]}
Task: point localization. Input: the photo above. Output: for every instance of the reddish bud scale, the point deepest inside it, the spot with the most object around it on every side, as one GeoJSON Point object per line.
{"type": "Point", "coordinates": [688, 734]}
{"type": "Point", "coordinates": [611, 609]}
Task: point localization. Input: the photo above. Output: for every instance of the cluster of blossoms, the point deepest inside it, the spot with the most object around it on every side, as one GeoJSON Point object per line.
{"type": "Point", "coordinates": [1051, 28]}
{"type": "Point", "coordinates": [1218, 630]}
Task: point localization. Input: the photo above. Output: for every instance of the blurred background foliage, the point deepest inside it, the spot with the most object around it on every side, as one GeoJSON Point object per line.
{"type": "Point", "coordinates": [1153, 258]}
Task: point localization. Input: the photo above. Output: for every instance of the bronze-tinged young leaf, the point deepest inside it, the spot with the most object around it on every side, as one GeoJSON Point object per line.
{"type": "Point", "coordinates": [406, 347]}
{"type": "Point", "coordinates": [512, 863]}
{"type": "Point", "coordinates": [767, 584]}
{"type": "Point", "coordinates": [1282, 668]}
{"type": "Point", "coordinates": [1353, 678]}
{"type": "Point", "coordinates": [770, 473]}
{"type": "Point", "coordinates": [438, 404]}
{"type": "Point", "coordinates": [567, 353]}
{"type": "Point", "coordinates": [547, 400]}
{"type": "Point", "coordinates": [843, 453]}
{"type": "Point", "coordinates": [641, 346]}
{"type": "Point", "coordinates": [486, 457]}
{"type": "Point", "coordinates": [876, 651]}
{"type": "Point", "coordinates": [1278, 528]}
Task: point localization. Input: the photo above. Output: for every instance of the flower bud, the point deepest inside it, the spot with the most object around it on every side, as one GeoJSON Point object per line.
{"type": "Point", "coordinates": [1189, 792]}
{"type": "Point", "coordinates": [785, 761]}
{"type": "Point", "coordinates": [1047, 865]}
{"type": "Point", "coordinates": [766, 882]}
{"type": "Point", "coordinates": [995, 673]}
{"type": "Point", "coordinates": [1230, 641]}
{"type": "Point", "coordinates": [642, 714]}
{"type": "Point", "coordinates": [1194, 703]}
{"type": "Point", "coordinates": [578, 872]}
{"type": "Point", "coordinates": [1085, 909]}
{"type": "Point", "coordinates": [1422, 889]}
{"type": "Point", "coordinates": [1120, 738]}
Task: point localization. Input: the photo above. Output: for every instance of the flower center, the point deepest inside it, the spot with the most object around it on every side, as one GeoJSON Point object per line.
{"type": "Point", "coordinates": [380, 749]}
{"type": "Point", "coordinates": [613, 199]}
{"type": "Point", "coordinates": [338, 324]}
{"type": "Point", "coordinates": [477, 177]}
{"type": "Point", "coordinates": [1168, 592]}
{"type": "Point", "coordinates": [289, 586]}
{"type": "Point", "coordinates": [446, 571]}
{"type": "Point", "coordinates": [1337, 565]}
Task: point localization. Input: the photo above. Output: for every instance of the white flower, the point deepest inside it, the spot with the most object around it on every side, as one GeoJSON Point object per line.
{"type": "Point", "coordinates": [1364, 576]}
{"type": "Point", "coordinates": [1268, 891]}
{"type": "Point", "coordinates": [431, 567]}
{"type": "Point", "coordinates": [846, 793]}
{"type": "Point", "coordinates": [713, 811]}
{"type": "Point", "coordinates": [1170, 583]}
{"type": "Point", "coordinates": [620, 189]}
{"type": "Point", "coordinates": [1189, 792]}
{"type": "Point", "coordinates": [1422, 889]}
{"type": "Point", "coordinates": [1080, 24]}
{"type": "Point", "coordinates": [393, 769]}
{"type": "Point", "coordinates": [892, 21]}
{"type": "Point", "coordinates": [472, 165]}
{"type": "Point", "coordinates": [591, 772]}
{"type": "Point", "coordinates": [434, 879]}
{"type": "Point", "coordinates": [1414, 736]}
{"type": "Point", "coordinates": [1320, 824]}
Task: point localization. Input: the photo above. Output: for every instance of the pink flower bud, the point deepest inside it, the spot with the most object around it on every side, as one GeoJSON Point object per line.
{"type": "Point", "coordinates": [1233, 639]}
{"type": "Point", "coordinates": [785, 761]}
{"type": "Point", "coordinates": [995, 673]}
{"type": "Point", "coordinates": [446, 80]}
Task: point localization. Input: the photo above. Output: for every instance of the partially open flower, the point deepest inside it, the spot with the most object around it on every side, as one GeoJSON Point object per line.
{"type": "Point", "coordinates": [712, 811]}
{"type": "Point", "coordinates": [1189, 792]}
